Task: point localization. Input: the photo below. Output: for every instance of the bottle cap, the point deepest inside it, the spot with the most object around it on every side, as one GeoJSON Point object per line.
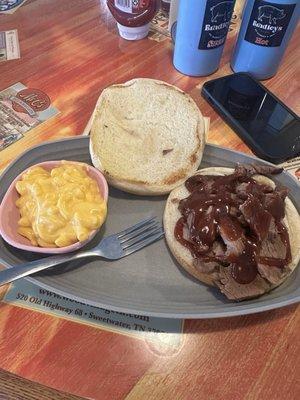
{"type": "Point", "coordinates": [133, 33]}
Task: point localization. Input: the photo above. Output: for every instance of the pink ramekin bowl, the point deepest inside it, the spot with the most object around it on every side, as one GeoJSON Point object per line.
{"type": "Point", "coordinates": [9, 213]}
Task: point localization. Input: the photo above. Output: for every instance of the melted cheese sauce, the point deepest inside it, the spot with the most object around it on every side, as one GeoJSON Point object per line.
{"type": "Point", "coordinates": [59, 207]}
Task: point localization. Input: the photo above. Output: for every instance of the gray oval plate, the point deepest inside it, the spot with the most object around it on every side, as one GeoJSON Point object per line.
{"type": "Point", "coordinates": [149, 282]}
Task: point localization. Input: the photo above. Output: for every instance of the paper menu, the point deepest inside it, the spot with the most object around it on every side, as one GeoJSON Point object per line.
{"type": "Point", "coordinates": [22, 109]}
{"type": "Point", "coordinates": [166, 331]}
{"type": "Point", "coordinates": [9, 45]}
{"type": "Point", "coordinates": [159, 27]}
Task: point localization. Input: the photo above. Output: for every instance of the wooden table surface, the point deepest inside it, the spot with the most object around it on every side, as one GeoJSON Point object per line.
{"type": "Point", "coordinates": [71, 50]}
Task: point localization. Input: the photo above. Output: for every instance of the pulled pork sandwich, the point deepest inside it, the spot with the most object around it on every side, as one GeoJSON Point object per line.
{"type": "Point", "coordinates": [234, 229]}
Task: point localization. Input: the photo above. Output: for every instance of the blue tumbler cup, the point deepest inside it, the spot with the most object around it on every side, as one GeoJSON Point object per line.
{"type": "Point", "coordinates": [266, 29]}
{"type": "Point", "coordinates": [202, 27]}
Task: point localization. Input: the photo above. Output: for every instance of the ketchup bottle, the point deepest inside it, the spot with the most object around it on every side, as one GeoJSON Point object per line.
{"type": "Point", "coordinates": [133, 17]}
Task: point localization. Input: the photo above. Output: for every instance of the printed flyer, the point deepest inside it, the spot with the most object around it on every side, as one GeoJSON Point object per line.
{"type": "Point", "coordinates": [9, 45]}
{"type": "Point", "coordinates": [163, 330]}
{"type": "Point", "coordinates": [22, 109]}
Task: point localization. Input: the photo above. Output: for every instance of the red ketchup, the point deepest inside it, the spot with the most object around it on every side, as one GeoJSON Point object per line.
{"type": "Point", "coordinates": [133, 17]}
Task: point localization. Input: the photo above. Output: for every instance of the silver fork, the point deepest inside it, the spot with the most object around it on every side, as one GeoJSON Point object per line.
{"type": "Point", "coordinates": [112, 247]}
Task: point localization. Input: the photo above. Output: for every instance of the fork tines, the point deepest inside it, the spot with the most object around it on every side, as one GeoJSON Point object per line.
{"type": "Point", "coordinates": [140, 235]}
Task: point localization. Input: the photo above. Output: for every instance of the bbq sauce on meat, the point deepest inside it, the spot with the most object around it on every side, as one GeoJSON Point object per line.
{"type": "Point", "coordinates": [279, 262]}
{"type": "Point", "coordinates": [244, 265]}
{"type": "Point", "coordinates": [236, 210]}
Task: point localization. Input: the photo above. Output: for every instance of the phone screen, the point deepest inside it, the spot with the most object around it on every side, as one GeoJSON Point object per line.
{"type": "Point", "coordinates": [272, 129]}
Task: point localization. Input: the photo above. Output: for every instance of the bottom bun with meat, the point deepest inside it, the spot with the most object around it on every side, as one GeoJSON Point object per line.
{"type": "Point", "coordinates": [234, 229]}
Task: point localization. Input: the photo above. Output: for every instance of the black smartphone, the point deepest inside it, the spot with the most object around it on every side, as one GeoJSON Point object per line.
{"type": "Point", "coordinates": [267, 126]}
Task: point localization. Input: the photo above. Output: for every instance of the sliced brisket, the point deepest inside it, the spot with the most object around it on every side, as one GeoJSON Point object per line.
{"type": "Point", "coordinates": [236, 291]}
{"type": "Point", "coordinates": [253, 169]}
{"type": "Point", "coordinates": [273, 275]}
{"type": "Point", "coordinates": [274, 203]}
{"type": "Point", "coordinates": [257, 217]}
{"type": "Point", "coordinates": [233, 227]}
{"type": "Point", "coordinates": [232, 234]}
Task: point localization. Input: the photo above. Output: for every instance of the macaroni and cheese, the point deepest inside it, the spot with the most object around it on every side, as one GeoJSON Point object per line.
{"type": "Point", "coordinates": [59, 207]}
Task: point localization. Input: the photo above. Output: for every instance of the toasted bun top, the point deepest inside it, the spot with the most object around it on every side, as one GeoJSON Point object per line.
{"type": "Point", "coordinates": [147, 136]}
{"type": "Point", "coordinates": [183, 255]}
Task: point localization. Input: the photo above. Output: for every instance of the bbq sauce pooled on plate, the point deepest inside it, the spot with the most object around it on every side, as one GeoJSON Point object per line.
{"type": "Point", "coordinates": [237, 216]}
